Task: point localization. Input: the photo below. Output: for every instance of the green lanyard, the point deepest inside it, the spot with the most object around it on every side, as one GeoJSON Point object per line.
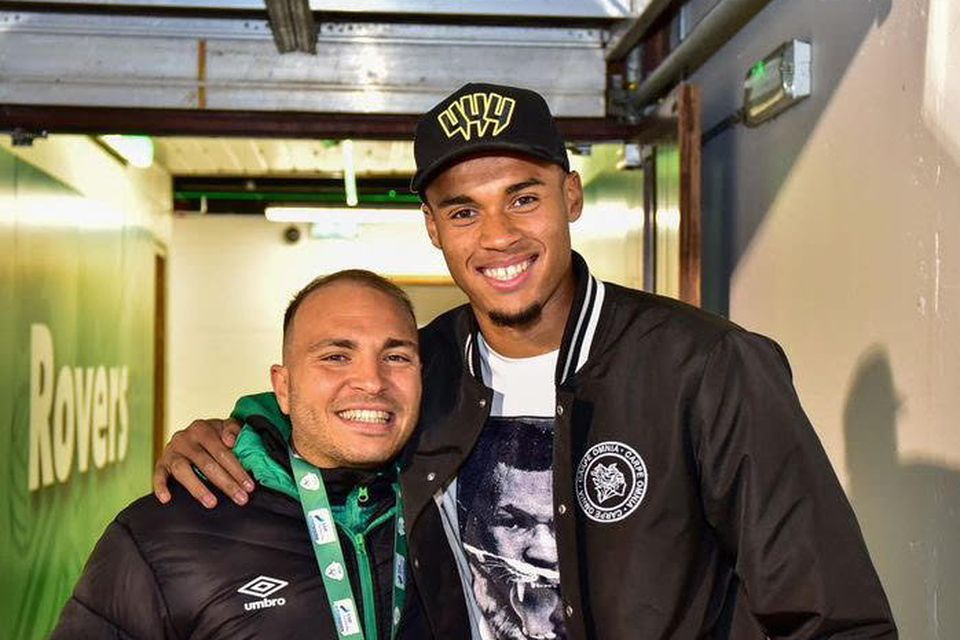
{"type": "Point", "coordinates": [329, 553]}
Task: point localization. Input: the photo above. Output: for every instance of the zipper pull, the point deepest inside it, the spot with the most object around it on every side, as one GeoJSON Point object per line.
{"type": "Point", "coordinates": [363, 495]}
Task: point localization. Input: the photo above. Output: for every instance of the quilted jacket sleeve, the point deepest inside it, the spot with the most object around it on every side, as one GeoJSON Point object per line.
{"type": "Point", "coordinates": [117, 596]}
{"type": "Point", "coordinates": [773, 499]}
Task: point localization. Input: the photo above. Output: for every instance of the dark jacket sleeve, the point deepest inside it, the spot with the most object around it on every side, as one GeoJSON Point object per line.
{"type": "Point", "coordinates": [117, 595]}
{"type": "Point", "coordinates": [774, 501]}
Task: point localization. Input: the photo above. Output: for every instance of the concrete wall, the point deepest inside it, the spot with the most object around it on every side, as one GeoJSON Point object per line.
{"type": "Point", "coordinates": [836, 228]}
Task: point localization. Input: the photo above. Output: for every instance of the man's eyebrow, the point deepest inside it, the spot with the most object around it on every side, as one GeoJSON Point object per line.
{"type": "Point", "coordinates": [343, 343]}
{"type": "Point", "coordinates": [526, 184]}
{"type": "Point", "coordinates": [517, 513]}
{"type": "Point", "coordinates": [393, 343]}
{"type": "Point", "coordinates": [455, 200]}
{"type": "Point", "coordinates": [514, 188]}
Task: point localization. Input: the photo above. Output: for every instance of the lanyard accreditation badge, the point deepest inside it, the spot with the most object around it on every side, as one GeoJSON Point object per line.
{"type": "Point", "coordinates": [329, 553]}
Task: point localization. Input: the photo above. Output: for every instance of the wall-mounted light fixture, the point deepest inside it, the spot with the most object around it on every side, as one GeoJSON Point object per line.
{"type": "Point", "coordinates": [777, 82]}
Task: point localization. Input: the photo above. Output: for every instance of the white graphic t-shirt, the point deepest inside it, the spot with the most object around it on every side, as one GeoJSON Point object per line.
{"type": "Point", "coordinates": [504, 505]}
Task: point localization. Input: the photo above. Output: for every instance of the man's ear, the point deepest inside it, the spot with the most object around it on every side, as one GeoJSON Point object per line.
{"type": "Point", "coordinates": [573, 192]}
{"type": "Point", "coordinates": [280, 378]}
{"type": "Point", "coordinates": [431, 224]}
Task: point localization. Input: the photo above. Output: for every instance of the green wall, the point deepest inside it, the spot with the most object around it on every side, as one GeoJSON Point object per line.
{"type": "Point", "coordinates": [76, 386]}
{"type": "Point", "coordinates": [609, 234]}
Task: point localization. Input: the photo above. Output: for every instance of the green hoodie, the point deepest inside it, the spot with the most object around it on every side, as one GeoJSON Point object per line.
{"type": "Point", "coordinates": [354, 517]}
{"type": "Point", "coordinates": [250, 450]}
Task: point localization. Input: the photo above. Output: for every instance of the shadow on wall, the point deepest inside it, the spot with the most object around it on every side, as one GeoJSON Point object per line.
{"type": "Point", "coordinates": [744, 169]}
{"type": "Point", "coordinates": [909, 509]}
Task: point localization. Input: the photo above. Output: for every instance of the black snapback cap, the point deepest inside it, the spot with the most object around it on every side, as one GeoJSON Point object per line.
{"type": "Point", "coordinates": [485, 117]}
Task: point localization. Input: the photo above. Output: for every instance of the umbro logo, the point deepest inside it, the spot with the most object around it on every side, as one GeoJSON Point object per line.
{"type": "Point", "coordinates": [263, 587]}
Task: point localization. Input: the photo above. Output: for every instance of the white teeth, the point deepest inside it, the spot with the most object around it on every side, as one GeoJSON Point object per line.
{"type": "Point", "coordinates": [365, 415]}
{"type": "Point", "coordinates": [507, 273]}
{"type": "Point", "coordinates": [521, 589]}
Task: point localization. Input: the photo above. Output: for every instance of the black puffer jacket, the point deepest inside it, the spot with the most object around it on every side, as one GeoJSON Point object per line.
{"type": "Point", "coordinates": [176, 571]}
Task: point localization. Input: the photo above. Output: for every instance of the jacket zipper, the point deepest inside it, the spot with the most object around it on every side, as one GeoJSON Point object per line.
{"type": "Point", "coordinates": [366, 589]}
{"type": "Point", "coordinates": [355, 520]}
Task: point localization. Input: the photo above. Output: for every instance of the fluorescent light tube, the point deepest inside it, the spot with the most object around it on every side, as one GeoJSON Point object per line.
{"type": "Point", "coordinates": [136, 150]}
{"type": "Point", "coordinates": [349, 174]}
{"type": "Point", "coordinates": [344, 215]}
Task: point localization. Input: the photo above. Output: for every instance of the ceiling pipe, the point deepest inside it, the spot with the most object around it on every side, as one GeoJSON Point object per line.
{"type": "Point", "coordinates": [715, 30]}
{"type": "Point", "coordinates": [629, 36]}
{"type": "Point", "coordinates": [293, 26]}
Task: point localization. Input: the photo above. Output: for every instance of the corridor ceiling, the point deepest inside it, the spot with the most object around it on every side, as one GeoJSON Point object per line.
{"type": "Point", "coordinates": [197, 156]}
{"type": "Point", "coordinates": [372, 56]}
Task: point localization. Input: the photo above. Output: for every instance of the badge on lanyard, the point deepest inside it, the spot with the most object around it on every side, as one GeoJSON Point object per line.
{"type": "Point", "coordinates": [329, 553]}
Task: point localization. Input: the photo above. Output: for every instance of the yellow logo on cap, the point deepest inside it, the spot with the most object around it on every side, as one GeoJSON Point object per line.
{"type": "Point", "coordinates": [477, 114]}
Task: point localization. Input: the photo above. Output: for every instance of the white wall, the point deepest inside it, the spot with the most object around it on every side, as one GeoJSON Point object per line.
{"type": "Point", "coordinates": [843, 240]}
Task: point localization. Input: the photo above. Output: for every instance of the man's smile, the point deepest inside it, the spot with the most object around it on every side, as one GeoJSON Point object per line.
{"type": "Point", "coordinates": [506, 276]}
{"type": "Point", "coordinates": [372, 416]}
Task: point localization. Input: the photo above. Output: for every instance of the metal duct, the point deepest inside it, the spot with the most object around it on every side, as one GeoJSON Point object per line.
{"type": "Point", "coordinates": [293, 26]}
{"type": "Point", "coordinates": [715, 30]}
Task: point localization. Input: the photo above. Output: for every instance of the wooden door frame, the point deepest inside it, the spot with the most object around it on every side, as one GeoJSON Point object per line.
{"type": "Point", "coordinates": [682, 107]}
{"type": "Point", "coordinates": [688, 108]}
{"type": "Point", "coordinates": [159, 352]}
{"type": "Point", "coordinates": [649, 255]}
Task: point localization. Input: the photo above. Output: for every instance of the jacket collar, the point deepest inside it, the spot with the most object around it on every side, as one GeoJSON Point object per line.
{"type": "Point", "coordinates": [578, 334]}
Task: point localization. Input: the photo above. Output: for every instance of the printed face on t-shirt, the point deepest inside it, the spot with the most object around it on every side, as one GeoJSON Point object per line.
{"type": "Point", "coordinates": [505, 501]}
{"type": "Point", "coordinates": [522, 525]}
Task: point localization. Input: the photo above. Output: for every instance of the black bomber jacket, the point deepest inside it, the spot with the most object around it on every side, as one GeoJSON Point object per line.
{"type": "Point", "coordinates": [692, 496]}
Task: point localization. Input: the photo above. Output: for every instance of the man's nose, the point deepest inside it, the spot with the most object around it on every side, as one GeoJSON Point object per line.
{"type": "Point", "coordinates": [498, 231]}
{"type": "Point", "coordinates": [541, 549]}
{"type": "Point", "coordinates": [368, 376]}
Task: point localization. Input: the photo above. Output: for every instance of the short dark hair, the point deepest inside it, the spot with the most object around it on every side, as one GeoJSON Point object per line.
{"type": "Point", "coordinates": [358, 276]}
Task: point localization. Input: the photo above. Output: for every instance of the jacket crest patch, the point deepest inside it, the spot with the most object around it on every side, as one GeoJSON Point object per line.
{"type": "Point", "coordinates": [611, 481]}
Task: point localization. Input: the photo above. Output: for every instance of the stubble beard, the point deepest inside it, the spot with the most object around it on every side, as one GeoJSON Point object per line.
{"type": "Point", "coordinates": [317, 439]}
{"type": "Point", "coordinates": [517, 320]}
{"type": "Point", "coordinates": [313, 438]}
{"type": "Point", "coordinates": [309, 438]}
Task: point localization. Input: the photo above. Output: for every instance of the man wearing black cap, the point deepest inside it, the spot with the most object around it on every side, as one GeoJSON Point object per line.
{"type": "Point", "coordinates": [686, 495]}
